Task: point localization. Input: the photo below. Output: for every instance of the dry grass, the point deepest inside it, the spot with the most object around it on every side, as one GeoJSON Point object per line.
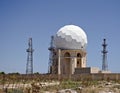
{"type": "Point", "coordinates": [81, 86]}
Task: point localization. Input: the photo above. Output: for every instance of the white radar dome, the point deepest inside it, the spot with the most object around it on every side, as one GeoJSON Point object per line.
{"type": "Point", "coordinates": [70, 37]}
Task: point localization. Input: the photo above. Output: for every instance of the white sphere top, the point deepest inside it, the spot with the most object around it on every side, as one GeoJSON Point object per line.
{"type": "Point", "coordinates": [70, 37]}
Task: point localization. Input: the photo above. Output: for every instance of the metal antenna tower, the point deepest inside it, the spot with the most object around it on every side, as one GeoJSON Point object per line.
{"type": "Point", "coordinates": [51, 55]}
{"type": "Point", "coordinates": [29, 66]}
{"type": "Point", "coordinates": [104, 51]}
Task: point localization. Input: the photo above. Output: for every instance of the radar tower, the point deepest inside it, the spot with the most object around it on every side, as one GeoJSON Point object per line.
{"type": "Point", "coordinates": [29, 65]}
{"type": "Point", "coordinates": [51, 55]}
{"type": "Point", "coordinates": [104, 52]}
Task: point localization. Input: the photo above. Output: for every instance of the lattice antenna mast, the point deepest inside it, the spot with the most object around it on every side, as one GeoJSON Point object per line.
{"type": "Point", "coordinates": [51, 55]}
{"type": "Point", "coordinates": [29, 66]}
{"type": "Point", "coordinates": [104, 52]}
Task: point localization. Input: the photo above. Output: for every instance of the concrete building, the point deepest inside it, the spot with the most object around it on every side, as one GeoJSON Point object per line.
{"type": "Point", "coordinates": [68, 60]}
{"type": "Point", "coordinates": [69, 53]}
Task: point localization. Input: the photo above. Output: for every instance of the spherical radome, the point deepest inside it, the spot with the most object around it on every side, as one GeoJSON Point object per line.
{"type": "Point", "coordinates": [70, 37]}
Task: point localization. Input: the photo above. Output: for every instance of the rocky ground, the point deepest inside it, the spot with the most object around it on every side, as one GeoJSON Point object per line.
{"type": "Point", "coordinates": [101, 88]}
{"type": "Point", "coordinates": [64, 87]}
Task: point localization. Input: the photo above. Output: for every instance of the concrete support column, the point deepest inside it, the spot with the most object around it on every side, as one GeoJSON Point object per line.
{"type": "Point", "coordinates": [74, 64]}
{"type": "Point", "coordinates": [59, 67]}
{"type": "Point", "coordinates": [83, 62]}
{"type": "Point", "coordinates": [75, 61]}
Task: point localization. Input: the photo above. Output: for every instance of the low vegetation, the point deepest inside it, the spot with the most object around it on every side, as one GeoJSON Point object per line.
{"type": "Point", "coordinates": [16, 83]}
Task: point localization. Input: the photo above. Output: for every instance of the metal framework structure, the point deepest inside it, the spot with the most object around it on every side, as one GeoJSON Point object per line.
{"type": "Point", "coordinates": [51, 55]}
{"type": "Point", "coordinates": [104, 52]}
{"type": "Point", "coordinates": [29, 65]}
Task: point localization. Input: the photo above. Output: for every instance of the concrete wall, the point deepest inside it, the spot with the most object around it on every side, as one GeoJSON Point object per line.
{"type": "Point", "coordinates": [100, 76]}
{"type": "Point", "coordinates": [87, 70]}
{"type": "Point", "coordinates": [97, 76]}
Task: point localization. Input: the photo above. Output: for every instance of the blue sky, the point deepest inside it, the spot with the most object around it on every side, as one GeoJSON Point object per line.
{"type": "Point", "coordinates": [39, 19]}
